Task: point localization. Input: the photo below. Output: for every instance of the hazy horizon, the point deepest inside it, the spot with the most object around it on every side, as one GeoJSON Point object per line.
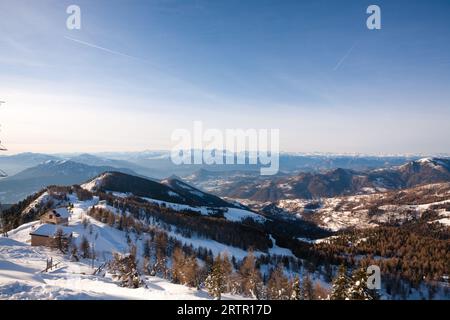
{"type": "Point", "coordinates": [297, 153]}
{"type": "Point", "coordinates": [138, 70]}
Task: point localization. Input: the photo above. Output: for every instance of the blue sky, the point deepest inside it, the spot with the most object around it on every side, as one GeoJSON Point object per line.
{"type": "Point", "coordinates": [310, 68]}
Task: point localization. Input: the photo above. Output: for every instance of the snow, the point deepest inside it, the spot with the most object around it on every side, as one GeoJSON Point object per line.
{"type": "Point", "coordinates": [231, 214]}
{"type": "Point", "coordinates": [428, 205]}
{"type": "Point", "coordinates": [62, 212]}
{"type": "Point", "coordinates": [196, 242]}
{"type": "Point", "coordinates": [215, 247]}
{"type": "Point", "coordinates": [425, 160]}
{"type": "Point", "coordinates": [21, 265]}
{"type": "Point", "coordinates": [119, 194]}
{"type": "Point", "coordinates": [198, 193]}
{"type": "Point", "coordinates": [234, 214]}
{"type": "Point", "coordinates": [276, 250]}
{"type": "Point", "coordinates": [445, 218]}
{"type": "Point", "coordinates": [343, 212]}
{"type": "Point", "coordinates": [185, 186]}
{"type": "Point", "coordinates": [444, 221]}
{"type": "Point", "coordinates": [173, 194]}
{"type": "Point", "coordinates": [432, 162]}
{"type": "Point", "coordinates": [94, 184]}
{"type": "Point", "coordinates": [41, 200]}
{"type": "Point", "coordinates": [307, 240]}
{"type": "Point", "coordinates": [21, 277]}
{"type": "Point", "coordinates": [49, 230]}
{"type": "Point", "coordinates": [177, 206]}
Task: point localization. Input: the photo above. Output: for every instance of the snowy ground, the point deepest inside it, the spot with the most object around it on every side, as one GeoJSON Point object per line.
{"type": "Point", "coordinates": [22, 276]}
{"type": "Point", "coordinates": [231, 214]}
{"type": "Point", "coordinates": [353, 211]}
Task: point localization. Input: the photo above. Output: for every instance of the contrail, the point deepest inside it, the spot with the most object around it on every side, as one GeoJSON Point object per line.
{"type": "Point", "coordinates": [166, 72]}
{"type": "Point", "coordinates": [102, 48]}
{"type": "Point", "coordinates": [344, 57]}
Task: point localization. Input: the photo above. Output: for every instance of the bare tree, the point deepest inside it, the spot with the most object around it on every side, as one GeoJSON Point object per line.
{"type": "Point", "coordinates": [85, 248]}
{"type": "Point", "coordinates": [60, 241]}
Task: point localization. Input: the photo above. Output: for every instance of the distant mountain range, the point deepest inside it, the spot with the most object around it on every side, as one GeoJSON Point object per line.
{"type": "Point", "coordinates": [301, 176]}
{"type": "Point", "coordinates": [331, 183]}
{"type": "Point", "coordinates": [157, 164]}
{"type": "Point", "coordinates": [51, 172]}
{"type": "Point", "coordinates": [15, 163]}
{"type": "Point", "coordinates": [97, 161]}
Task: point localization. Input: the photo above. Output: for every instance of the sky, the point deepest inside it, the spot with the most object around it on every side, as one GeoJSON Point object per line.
{"type": "Point", "coordinates": [138, 70]}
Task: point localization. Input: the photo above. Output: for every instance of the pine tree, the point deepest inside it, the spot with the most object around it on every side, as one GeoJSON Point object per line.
{"type": "Point", "coordinates": [125, 270]}
{"type": "Point", "coordinates": [235, 284]}
{"type": "Point", "coordinates": [85, 248]}
{"type": "Point", "coordinates": [320, 293]}
{"type": "Point", "coordinates": [111, 219]}
{"type": "Point", "coordinates": [217, 280]}
{"type": "Point", "coordinates": [307, 290]}
{"type": "Point", "coordinates": [191, 272]}
{"type": "Point", "coordinates": [74, 253]}
{"type": "Point", "coordinates": [227, 267]}
{"type": "Point", "coordinates": [251, 280]}
{"type": "Point", "coordinates": [178, 266]}
{"type": "Point", "coordinates": [146, 269]}
{"type": "Point", "coordinates": [3, 223]}
{"type": "Point", "coordinates": [358, 287]}
{"type": "Point", "coordinates": [120, 223]}
{"type": "Point", "coordinates": [147, 248]}
{"type": "Point", "coordinates": [160, 266]}
{"type": "Point", "coordinates": [278, 285]}
{"type": "Point", "coordinates": [340, 285]}
{"type": "Point", "coordinates": [296, 288]}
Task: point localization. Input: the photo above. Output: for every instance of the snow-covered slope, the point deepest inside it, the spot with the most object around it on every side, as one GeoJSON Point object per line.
{"type": "Point", "coordinates": [170, 193]}
{"type": "Point", "coordinates": [195, 194]}
{"type": "Point", "coordinates": [51, 172]}
{"type": "Point", "coordinates": [366, 211]}
{"type": "Point", "coordinates": [138, 186]}
{"type": "Point", "coordinates": [231, 214]}
{"type": "Point", "coordinates": [330, 183]}
{"type": "Point", "coordinates": [22, 276]}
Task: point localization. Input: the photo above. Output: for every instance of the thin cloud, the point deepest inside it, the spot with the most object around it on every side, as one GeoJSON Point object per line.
{"type": "Point", "coordinates": [91, 45]}
{"type": "Point", "coordinates": [163, 71]}
{"type": "Point", "coordinates": [344, 58]}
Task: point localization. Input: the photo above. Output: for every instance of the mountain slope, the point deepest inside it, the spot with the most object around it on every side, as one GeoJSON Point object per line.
{"type": "Point", "coordinates": [310, 185]}
{"type": "Point", "coordinates": [169, 190]}
{"type": "Point", "coordinates": [194, 194]}
{"type": "Point", "coordinates": [413, 173]}
{"type": "Point", "coordinates": [431, 201]}
{"type": "Point", "coordinates": [51, 172]}
{"type": "Point", "coordinates": [15, 163]}
{"type": "Point", "coordinates": [93, 160]}
{"type": "Point", "coordinates": [131, 184]}
{"type": "Point", "coordinates": [21, 267]}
